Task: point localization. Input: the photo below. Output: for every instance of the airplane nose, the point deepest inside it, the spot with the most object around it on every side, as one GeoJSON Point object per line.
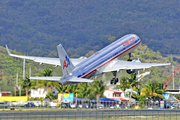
{"type": "Point", "coordinates": [137, 38]}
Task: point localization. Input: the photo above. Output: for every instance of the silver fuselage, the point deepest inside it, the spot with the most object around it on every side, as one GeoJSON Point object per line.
{"type": "Point", "coordinates": [91, 65]}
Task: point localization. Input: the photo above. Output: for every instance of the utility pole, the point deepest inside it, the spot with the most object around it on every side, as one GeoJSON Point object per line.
{"type": "Point", "coordinates": [16, 83]}
{"type": "Point", "coordinates": [23, 76]}
{"type": "Point", "coordinates": [24, 69]}
{"type": "Point", "coordinates": [29, 72]}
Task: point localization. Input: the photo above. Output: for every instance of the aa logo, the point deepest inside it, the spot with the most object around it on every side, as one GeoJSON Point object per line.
{"type": "Point", "coordinates": [66, 62]}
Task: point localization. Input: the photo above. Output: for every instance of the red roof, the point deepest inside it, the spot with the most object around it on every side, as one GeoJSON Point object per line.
{"type": "Point", "coordinates": [123, 99]}
{"type": "Point", "coordinates": [115, 91]}
{"type": "Point", "coordinates": [5, 91]}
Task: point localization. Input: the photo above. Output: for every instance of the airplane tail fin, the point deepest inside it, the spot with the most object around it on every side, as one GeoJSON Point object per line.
{"type": "Point", "coordinates": [66, 63]}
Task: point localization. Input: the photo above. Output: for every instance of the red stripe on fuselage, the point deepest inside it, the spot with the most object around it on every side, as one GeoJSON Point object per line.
{"type": "Point", "coordinates": [111, 59]}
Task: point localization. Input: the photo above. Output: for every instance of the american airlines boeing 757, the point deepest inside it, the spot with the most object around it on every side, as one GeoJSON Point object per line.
{"type": "Point", "coordinates": [105, 60]}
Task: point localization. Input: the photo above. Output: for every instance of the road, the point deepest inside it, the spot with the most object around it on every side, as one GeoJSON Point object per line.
{"type": "Point", "coordinates": [84, 113]}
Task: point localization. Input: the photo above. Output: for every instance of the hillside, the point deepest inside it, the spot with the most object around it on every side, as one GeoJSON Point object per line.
{"type": "Point", "coordinates": [36, 27]}
{"type": "Point", "coordinates": [146, 55]}
{"type": "Point", "coordinates": [9, 66]}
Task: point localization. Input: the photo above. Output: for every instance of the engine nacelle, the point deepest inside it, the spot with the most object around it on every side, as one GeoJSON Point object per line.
{"type": "Point", "coordinates": [131, 71]}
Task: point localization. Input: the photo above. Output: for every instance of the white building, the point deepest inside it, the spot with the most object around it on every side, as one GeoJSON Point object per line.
{"type": "Point", "coordinates": [38, 92]}
{"type": "Point", "coordinates": [41, 93]}
{"type": "Point", "coordinates": [118, 95]}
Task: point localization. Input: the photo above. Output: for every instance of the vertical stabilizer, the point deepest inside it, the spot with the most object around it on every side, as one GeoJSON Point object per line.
{"type": "Point", "coordinates": [66, 63]}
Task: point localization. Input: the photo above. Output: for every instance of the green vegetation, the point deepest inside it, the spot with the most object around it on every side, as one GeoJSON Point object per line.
{"type": "Point", "coordinates": [97, 88]}
{"type": "Point", "coordinates": [124, 84]}
{"type": "Point", "coordinates": [83, 90]}
{"type": "Point", "coordinates": [152, 91]}
{"type": "Point", "coordinates": [45, 83]}
{"type": "Point", "coordinates": [50, 96]}
{"type": "Point", "coordinates": [177, 96]}
{"type": "Point", "coordinates": [159, 74]}
{"type": "Point", "coordinates": [27, 84]}
{"type": "Point", "coordinates": [83, 27]}
{"type": "Point", "coordinates": [37, 27]}
{"type": "Point", "coordinates": [10, 66]}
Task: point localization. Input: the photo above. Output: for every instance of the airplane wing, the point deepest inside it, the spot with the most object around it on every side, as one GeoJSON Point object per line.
{"type": "Point", "coordinates": [58, 79]}
{"type": "Point", "coordinates": [46, 60]}
{"type": "Point", "coordinates": [120, 64]}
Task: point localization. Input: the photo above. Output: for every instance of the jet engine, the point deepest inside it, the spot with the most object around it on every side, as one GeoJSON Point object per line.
{"type": "Point", "coordinates": [131, 71]}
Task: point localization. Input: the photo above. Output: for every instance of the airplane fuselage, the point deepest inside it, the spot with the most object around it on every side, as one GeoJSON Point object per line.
{"type": "Point", "coordinates": [91, 65]}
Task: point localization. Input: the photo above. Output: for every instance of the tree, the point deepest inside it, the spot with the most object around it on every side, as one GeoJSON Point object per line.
{"type": "Point", "coordinates": [27, 84]}
{"type": "Point", "coordinates": [46, 72]}
{"type": "Point", "coordinates": [150, 91]}
{"type": "Point", "coordinates": [83, 90]}
{"type": "Point", "coordinates": [50, 96]}
{"type": "Point", "coordinates": [72, 88]}
{"type": "Point", "coordinates": [124, 84]}
{"type": "Point", "coordinates": [97, 88]}
{"type": "Point", "coordinates": [177, 96]}
{"type": "Point", "coordinates": [44, 83]}
{"type": "Point", "coordinates": [61, 88]}
{"type": "Point", "coordinates": [134, 83]}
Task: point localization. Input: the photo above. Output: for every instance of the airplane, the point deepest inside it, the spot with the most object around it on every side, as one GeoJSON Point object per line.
{"type": "Point", "coordinates": [106, 60]}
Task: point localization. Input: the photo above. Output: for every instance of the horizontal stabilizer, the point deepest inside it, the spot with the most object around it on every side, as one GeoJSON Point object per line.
{"type": "Point", "coordinates": [46, 78]}
{"type": "Point", "coordinates": [80, 80]}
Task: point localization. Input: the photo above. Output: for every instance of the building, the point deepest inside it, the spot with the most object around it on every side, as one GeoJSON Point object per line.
{"type": "Point", "coordinates": [117, 95]}
{"type": "Point", "coordinates": [173, 92]}
{"type": "Point", "coordinates": [5, 93]}
{"type": "Point", "coordinates": [40, 92]}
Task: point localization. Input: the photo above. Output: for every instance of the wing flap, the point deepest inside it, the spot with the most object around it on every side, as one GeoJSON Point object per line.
{"type": "Point", "coordinates": [46, 78]}
{"type": "Point", "coordinates": [120, 64]}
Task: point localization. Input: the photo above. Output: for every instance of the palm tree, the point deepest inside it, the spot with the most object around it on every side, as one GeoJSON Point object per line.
{"type": "Point", "coordinates": [27, 84]}
{"type": "Point", "coordinates": [61, 88]}
{"type": "Point", "coordinates": [150, 91]}
{"type": "Point", "coordinates": [44, 83]}
{"type": "Point", "coordinates": [72, 88]}
{"type": "Point", "coordinates": [46, 72]}
{"type": "Point", "coordinates": [82, 90]}
{"type": "Point", "coordinates": [50, 96]}
{"type": "Point", "coordinates": [97, 88]}
{"type": "Point", "coordinates": [134, 83]}
{"type": "Point", "coordinates": [124, 84]}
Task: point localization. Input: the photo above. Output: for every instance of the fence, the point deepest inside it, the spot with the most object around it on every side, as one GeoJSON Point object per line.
{"type": "Point", "coordinates": [92, 105]}
{"type": "Point", "coordinates": [93, 115]}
